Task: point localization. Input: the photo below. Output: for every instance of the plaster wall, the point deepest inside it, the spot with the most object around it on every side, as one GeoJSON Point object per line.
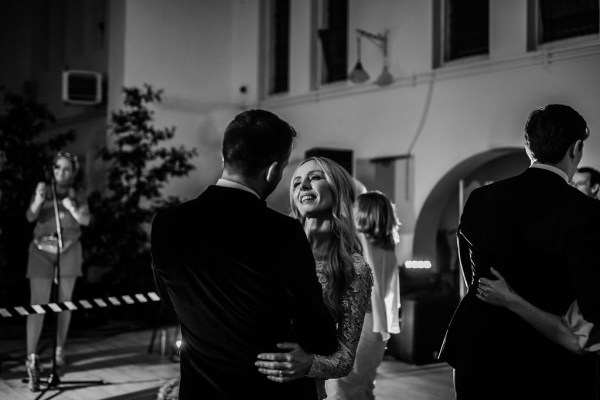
{"type": "Point", "coordinates": [185, 48]}
{"type": "Point", "coordinates": [201, 53]}
{"type": "Point", "coordinates": [447, 120]}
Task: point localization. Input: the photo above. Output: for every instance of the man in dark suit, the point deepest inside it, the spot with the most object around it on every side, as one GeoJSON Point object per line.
{"type": "Point", "coordinates": [542, 235]}
{"type": "Point", "coordinates": [239, 275]}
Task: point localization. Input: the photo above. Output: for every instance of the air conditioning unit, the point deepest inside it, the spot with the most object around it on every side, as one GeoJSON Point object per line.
{"type": "Point", "coordinates": [82, 87]}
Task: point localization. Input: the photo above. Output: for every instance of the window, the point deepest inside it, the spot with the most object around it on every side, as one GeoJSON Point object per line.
{"type": "Point", "coordinates": [333, 37]}
{"type": "Point", "coordinates": [278, 46]}
{"type": "Point", "coordinates": [554, 20]}
{"type": "Point", "coordinates": [464, 30]}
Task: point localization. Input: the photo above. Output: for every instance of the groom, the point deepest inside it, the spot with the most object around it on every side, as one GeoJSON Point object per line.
{"type": "Point", "coordinates": [240, 276]}
{"type": "Point", "coordinates": [543, 236]}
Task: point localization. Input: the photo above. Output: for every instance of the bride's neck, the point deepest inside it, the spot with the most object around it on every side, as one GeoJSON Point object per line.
{"type": "Point", "coordinates": [318, 232]}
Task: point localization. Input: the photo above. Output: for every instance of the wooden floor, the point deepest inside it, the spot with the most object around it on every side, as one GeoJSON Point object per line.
{"type": "Point", "coordinates": [398, 380]}
{"type": "Point", "coordinates": [120, 359]}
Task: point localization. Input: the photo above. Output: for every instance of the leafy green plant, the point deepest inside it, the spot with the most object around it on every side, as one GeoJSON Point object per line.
{"type": "Point", "coordinates": [116, 243]}
{"type": "Point", "coordinates": [26, 156]}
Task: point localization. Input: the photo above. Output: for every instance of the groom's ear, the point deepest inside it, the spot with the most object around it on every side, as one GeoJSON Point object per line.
{"type": "Point", "coordinates": [576, 148]}
{"type": "Point", "coordinates": [272, 172]}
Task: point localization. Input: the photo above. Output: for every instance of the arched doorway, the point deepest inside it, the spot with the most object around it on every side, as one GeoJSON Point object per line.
{"type": "Point", "coordinates": [436, 224]}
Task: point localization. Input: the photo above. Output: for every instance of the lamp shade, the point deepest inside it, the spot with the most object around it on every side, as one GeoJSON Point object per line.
{"type": "Point", "coordinates": [358, 74]}
{"type": "Point", "coordinates": [385, 78]}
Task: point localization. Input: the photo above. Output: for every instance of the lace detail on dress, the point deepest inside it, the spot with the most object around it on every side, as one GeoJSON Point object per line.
{"type": "Point", "coordinates": [354, 306]}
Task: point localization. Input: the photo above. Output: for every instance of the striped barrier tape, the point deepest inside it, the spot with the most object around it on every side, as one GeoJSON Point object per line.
{"type": "Point", "coordinates": [139, 298]}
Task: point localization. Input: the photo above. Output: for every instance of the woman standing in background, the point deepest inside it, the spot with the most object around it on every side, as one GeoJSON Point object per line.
{"type": "Point", "coordinates": [73, 212]}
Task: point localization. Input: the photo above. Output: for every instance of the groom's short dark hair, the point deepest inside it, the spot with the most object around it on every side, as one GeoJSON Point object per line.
{"type": "Point", "coordinates": [254, 139]}
{"type": "Point", "coordinates": [551, 129]}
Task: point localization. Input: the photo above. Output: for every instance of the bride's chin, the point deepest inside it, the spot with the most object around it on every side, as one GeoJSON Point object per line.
{"type": "Point", "coordinates": [305, 213]}
{"type": "Point", "coordinates": [315, 214]}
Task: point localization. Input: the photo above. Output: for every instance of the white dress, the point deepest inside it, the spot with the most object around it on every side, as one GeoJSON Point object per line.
{"type": "Point", "coordinates": [586, 332]}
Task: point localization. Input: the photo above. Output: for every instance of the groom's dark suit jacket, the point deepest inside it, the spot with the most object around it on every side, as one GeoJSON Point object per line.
{"type": "Point", "coordinates": [543, 236]}
{"type": "Point", "coordinates": [241, 278]}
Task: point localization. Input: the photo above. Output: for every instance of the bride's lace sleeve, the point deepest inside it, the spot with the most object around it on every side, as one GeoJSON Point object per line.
{"type": "Point", "coordinates": [354, 306]}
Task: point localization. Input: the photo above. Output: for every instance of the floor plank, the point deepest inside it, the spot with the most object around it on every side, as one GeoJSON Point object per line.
{"type": "Point", "coordinates": [129, 372]}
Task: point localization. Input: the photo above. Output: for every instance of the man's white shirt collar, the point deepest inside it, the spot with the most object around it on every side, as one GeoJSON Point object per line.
{"type": "Point", "coordinates": [550, 168]}
{"type": "Point", "coordinates": [236, 185]}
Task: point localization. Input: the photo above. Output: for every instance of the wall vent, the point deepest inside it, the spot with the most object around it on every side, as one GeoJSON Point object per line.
{"type": "Point", "coordinates": [82, 87]}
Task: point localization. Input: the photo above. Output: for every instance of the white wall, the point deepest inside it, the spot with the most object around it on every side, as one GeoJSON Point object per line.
{"type": "Point", "coordinates": [202, 52]}
{"type": "Point", "coordinates": [182, 46]}
{"type": "Point", "coordinates": [473, 107]}
{"type": "Point", "coordinates": [185, 48]}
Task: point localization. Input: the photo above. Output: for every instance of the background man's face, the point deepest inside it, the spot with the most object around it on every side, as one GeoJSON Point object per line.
{"type": "Point", "coordinates": [581, 180]}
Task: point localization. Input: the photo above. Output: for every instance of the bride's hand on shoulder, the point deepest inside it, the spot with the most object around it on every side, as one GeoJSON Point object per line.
{"type": "Point", "coordinates": [286, 366]}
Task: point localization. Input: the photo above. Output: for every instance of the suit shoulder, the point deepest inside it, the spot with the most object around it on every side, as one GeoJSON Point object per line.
{"type": "Point", "coordinates": [187, 206]}
{"type": "Point", "coordinates": [584, 204]}
{"type": "Point", "coordinates": [477, 193]}
{"type": "Point", "coordinates": [280, 218]}
{"type": "Point", "coordinates": [174, 212]}
{"type": "Point", "coordinates": [501, 184]}
{"type": "Point", "coordinates": [498, 188]}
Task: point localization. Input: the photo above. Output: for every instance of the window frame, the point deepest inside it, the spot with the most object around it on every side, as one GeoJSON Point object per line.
{"type": "Point", "coordinates": [534, 33]}
{"type": "Point", "coordinates": [269, 70]}
{"type": "Point", "coordinates": [441, 40]}
{"type": "Point", "coordinates": [320, 19]}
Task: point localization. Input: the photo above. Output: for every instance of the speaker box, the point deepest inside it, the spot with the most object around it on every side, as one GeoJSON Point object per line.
{"type": "Point", "coordinates": [424, 323]}
{"type": "Point", "coordinates": [341, 156]}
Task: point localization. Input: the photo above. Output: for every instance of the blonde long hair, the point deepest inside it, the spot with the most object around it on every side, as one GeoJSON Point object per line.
{"type": "Point", "coordinates": [339, 267]}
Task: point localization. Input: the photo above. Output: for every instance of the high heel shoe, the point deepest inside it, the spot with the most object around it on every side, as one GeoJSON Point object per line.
{"type": "Point", "coordinates": [32, 364]}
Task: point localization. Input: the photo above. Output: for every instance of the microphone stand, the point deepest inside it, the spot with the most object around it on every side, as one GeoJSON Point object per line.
{"type": "Point", "coordinates": [53, 381]}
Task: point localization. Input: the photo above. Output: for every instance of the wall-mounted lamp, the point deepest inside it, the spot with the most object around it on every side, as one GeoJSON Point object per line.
{"type": "Point", "coordinates": [358, 73]}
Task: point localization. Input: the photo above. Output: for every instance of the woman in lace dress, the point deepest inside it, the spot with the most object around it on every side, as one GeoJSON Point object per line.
{"type": "Point", "coordinates": [322, 195]}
